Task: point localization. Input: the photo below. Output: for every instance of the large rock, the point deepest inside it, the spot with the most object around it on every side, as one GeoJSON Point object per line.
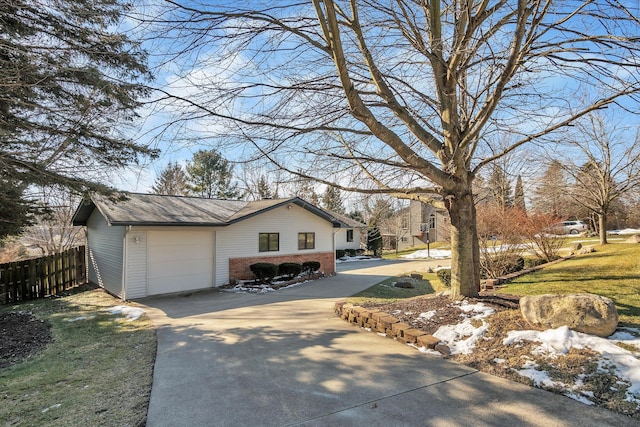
{"type": "Point", "coordinates": [633, 239]}
{"type": "Point", "coordinates": [588, 313]}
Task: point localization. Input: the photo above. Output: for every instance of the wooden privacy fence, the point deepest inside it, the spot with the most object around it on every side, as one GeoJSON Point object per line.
{"type": "Point", "coordinates": [41, 277]}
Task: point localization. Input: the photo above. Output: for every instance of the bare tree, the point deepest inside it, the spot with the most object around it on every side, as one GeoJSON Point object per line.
{"type": "Point", "coordinates": [606, 167]}
{"type": "Point", "coordinates": [501, 238]}
{"type": "Point", "coordinates": [399, 97]}
{"type": "Point", "coordinates": [257, 183]}
{"type": "Point", "coordinates": [539, 238]}
{"type": "Point", "coordinates": [55, 233]}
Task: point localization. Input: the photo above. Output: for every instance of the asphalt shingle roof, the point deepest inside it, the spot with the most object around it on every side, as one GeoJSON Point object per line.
{"type": "Point", "coordinates": [153, 209]}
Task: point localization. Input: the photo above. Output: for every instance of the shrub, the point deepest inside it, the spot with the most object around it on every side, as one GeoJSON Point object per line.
{"type": "Point", "coordinates": [444, 274]}
{"type": "Point", "coordinates": [340, 253]}
{"type": "Point", "coordinates": [350, 252]}
{"type": "Point", "coordinates": [310, 266]}
{"type": "Point", "coordinates": [289, 269]}
{"type": "Point", "coordinates": [533, 262]}
{"type": "Point", "coordinates": [264, 271]}
{"type": "Point", "coordinates": [513, 264]}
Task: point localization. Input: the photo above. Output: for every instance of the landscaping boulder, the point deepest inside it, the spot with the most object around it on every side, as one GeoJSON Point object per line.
{"type": "Point", "coordinates": [587, 313]}
{"type": "Point", "coordinates": [404, 282]}
{"type": "Point", "coordinates": [633, 239]}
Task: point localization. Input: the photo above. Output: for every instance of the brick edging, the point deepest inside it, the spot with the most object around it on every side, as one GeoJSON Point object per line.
{"type": "Point", "coordinates": [381, 322]}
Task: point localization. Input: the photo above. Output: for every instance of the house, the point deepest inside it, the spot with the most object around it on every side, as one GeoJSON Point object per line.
{"type": "Point", "coordinates": [416, 225]}
{"type": "Point", "coordinates": [153, 244]}
{"type": "Point", "coordinates": [351, 236]}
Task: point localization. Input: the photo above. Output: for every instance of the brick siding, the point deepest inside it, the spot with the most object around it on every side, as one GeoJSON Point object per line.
{"type": "Point", "coordinates": [239, 267]}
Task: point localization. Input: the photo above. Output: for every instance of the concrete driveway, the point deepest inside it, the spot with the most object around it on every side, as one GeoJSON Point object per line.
{"type": "Point", "coordinates": [285, 359]}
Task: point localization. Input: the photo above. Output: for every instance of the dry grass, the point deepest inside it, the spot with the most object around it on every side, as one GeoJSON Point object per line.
{"type": "Point", "coordinates": [96, 372]}
{"type": "Point", "coordinates": [612, 271]}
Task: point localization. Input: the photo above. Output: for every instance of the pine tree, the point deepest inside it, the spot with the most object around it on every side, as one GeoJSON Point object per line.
{"type": "Point", "coordinates": [264, 189]}
{"type": "Point", "coordinates": [305, 190]}
{"type": "Point", "coordinates": [172, 181]}
{"type": "Point", "coordinates": [374, 240]}
{"type": "Point", "coordinates": [551, 195]}
{"type": "Point", "coordinates": [16, 212]}
{"type": "Point", "coordinates": [332, 200]}
{"type": "Point", "coordinates": [518, 198]}
{"type": "Point", "coordinates": [211, 176]}
{"type": "Point", "coordinates": [499, 188]}
{"type": "Point", "coordinates": [69, 82]}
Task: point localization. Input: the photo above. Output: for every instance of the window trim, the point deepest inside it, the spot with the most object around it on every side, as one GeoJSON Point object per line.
{"type": "Point", "coordinates": [269, 247]}
{"type": "Point", "coordinates": [350, 235]}
{"type": "Point", "coordinates": [307, 241]}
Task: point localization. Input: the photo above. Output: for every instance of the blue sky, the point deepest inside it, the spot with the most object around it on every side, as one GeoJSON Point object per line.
{"type": "Point", "coordinates": [177, 76]}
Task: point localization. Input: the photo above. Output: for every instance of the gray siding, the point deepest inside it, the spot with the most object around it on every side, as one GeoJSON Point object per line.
{"type": "Point", "coordinates": [136, 264]}
{"type": "Point", "coordinates": [105, 253]}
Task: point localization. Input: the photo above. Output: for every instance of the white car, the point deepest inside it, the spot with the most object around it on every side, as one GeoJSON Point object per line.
{"type": "Point", "coordinates": [570, 227]}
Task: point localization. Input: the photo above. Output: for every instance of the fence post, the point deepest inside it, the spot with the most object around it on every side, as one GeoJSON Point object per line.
{"type": "Point", "coordinates": [13, 289]}
{"type": "Point", "coordinates": [81, 265]}
{"type": "Point", "coordinates": [3, 284]}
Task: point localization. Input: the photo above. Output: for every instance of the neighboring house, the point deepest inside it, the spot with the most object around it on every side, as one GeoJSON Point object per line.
{"type": "Point", "coordinates": [153, 244]}
{"type": "Point", "coordinates": [417, 225]}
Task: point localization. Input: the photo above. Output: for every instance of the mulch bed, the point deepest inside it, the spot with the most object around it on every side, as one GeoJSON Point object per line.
{"type": "Point", "coordinates": [21, 336]}
{"type": "Point", "coordinates": [446, 313]}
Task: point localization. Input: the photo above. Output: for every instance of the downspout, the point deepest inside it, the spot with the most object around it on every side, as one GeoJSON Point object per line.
{"type": "Point", "coordinates": [335, 266]}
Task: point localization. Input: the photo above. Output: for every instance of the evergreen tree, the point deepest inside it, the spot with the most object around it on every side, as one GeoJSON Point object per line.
{"type": "Point", "coordinates": [264, 188]}
{"type": "Point", "coordinates": [356, 215]}
{"type": "Point", "coordinates": [499, 188]}
{"type": "Point", "coordinates": [374, 240]}
{"type": "Point", "coordinates": [211, 176]}
{"type": "Point", "coordinates": [518, 198]}
{"type": "Point", "coordinates": [69, 82]}
{"type": "Point", "coordinates": [16, 212]}
{"type": "Point", "coordinates": [551, 195]}
{"type": "Point", "coordinates": [304, 189]}
{"type": "Point", "coordinates": [332, 200]}
{"type": "Point", "coordinates": [172, 181]}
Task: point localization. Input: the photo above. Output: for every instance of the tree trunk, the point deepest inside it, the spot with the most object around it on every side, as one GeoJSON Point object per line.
{"type": "Point", "coordinates": [602, 225]}
{"type": "Point", "coordinates": [465, 250]}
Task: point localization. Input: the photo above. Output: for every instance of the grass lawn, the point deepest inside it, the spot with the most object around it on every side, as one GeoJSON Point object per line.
{"type": "Point", "coordinates": [385, 292]}
{"type": "Point", "coordinates": [612, 271]}
{"type": "Point", "coordinates": [97, 371]}
{"type": "Point", "coordinates": [398, 254]}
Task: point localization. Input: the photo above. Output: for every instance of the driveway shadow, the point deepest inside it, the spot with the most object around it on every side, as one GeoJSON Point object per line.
{"type": "Point", "coordinates": [350, 279]}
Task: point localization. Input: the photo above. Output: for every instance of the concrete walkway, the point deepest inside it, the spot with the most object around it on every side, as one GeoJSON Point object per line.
{"type": "Point", "coordinates": [285, 359]}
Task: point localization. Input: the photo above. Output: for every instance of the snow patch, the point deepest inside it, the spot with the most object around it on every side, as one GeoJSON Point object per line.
{"type": "Point", "coordinates": [428, 254]}
{"type": "Point", "coordinates": [130, 313]}
{"type": "Point", "coordinates": [462, 338]}
{"type": "Point", "coordinates": [56, 406]}
{"type": "Point", "coordinates": [77, 319]}
{"type": "Point", "coordinates": [560, 340]}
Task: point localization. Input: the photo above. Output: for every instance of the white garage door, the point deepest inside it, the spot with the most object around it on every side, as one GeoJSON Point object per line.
{"type": "Point", "coordinates": [179, 261]}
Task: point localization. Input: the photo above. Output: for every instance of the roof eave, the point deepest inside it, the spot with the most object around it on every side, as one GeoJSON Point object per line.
{"type": "Point", "coordinates": [167, 224]}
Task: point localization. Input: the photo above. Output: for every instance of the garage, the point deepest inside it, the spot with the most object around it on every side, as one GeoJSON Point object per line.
{"type": "Point", "coordinates": [153, 244]}
{"type": "Point", "coordinates": [179, 261]}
